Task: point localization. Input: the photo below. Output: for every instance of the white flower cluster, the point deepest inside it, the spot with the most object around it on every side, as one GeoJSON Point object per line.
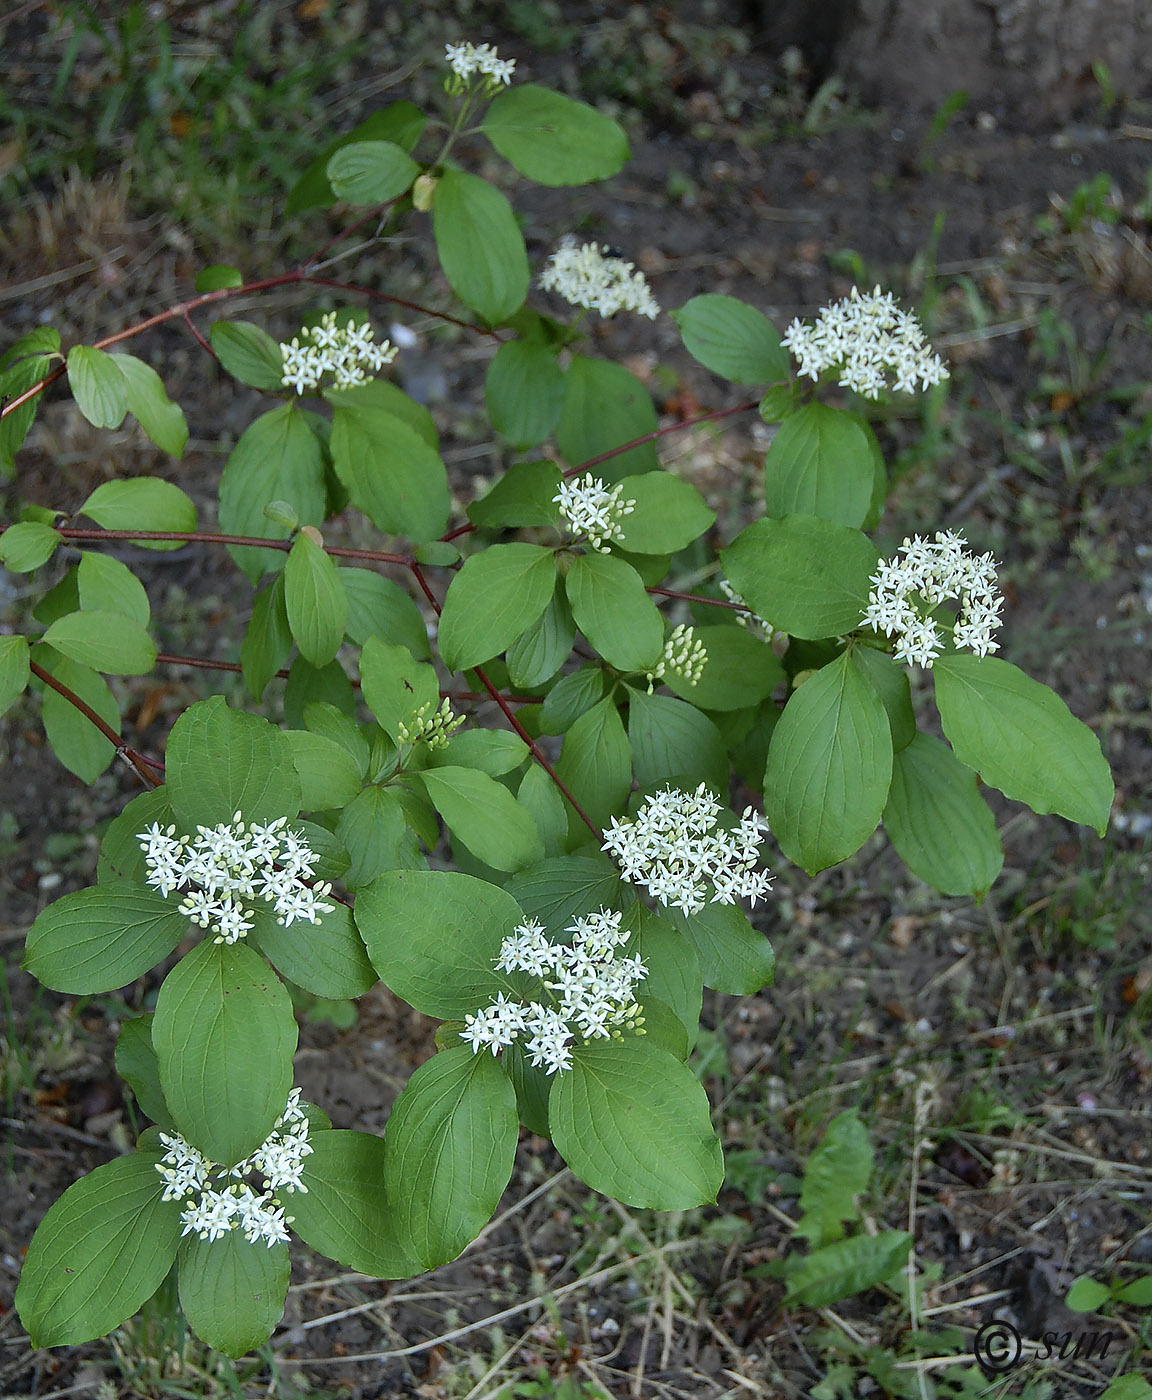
{"type": "Point", "coordinates": [434, 728]}
{"type": "Point", "coordinates": [673, 847]}
{"type": "Point", "coordinates": [344, 352]}
{"type": "Point", "coordinates": [865, 336]}
{"type": "Point", "coordinates": [466, 59]}
{"type": "Point", "coordinates": [586, 275]}
{"type": "Point", "coordinates": [217, 1201]}
{"type": "Point", "coordinates": [594, 510]}
{"type": "Point", "coordinates": [683, 653]}
{"type": "Point", "coordinates": [934, 572]}
{"type": "Point", "coordinates": [592, 991]}
{"type": "Point", "coordinates": [231, 863]}
{"type": "Point", "coordinates": [749, 620]}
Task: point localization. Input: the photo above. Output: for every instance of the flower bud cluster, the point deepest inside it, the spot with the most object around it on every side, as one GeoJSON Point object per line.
{"type": "Point", "coordinates": [345, 352]}
{"type": "Point", "coordinates": [466, 59]}
{"type": "Point", "coordinates": [932, 572]}
{"type": "Point", "coordinates": [587, 276]}
{"type": "Point", "coordinates": [866, 336]}
{"type": "Point", "coordinates": [674, 849]}
{"type": "Point", "coordinates": [217, 1200]}
{"type": "Point", "coordinates": [231, 863]}
{"type": "Point", "coordinates": [683, 654]}
{"type": "Point", "coordinates": [594, 510]}
{"type": "Point", "coordinates": [749, 620]}
{"type": "Point", "coordinates": [591, 992]}
{"type": "Point", "coordinates": [434, 726]}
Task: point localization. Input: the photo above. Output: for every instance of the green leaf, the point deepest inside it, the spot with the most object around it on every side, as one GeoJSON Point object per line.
{"type": "Point", "coordinates": [480, 246]}
{"type": "Point", "coordinates": [847, 1267]}
{"type": "Point", "coordinates": [522, 496]}
{"type": "Point", "coordinates": [105, 641]}
{"type": "Point", "coordinates": [572, 696]}
{"type": "Point", "coordinates": [524, 390]}
{"type": "Point", "coordinates": [604, 407]}
{"type": "Point", "coordinates": [739, 673]}
{"type": "Point", "coordinates": [148, 402]}
{"type": "Point", "coordinates": [14, 671]}
{"type": "Point", "coordinates": [829, 767]}
{"type": "Point", "coordinates": [674, 975]}
{"type": "Point", "coordinates": [218, 278]}
{"type": "Point", "coordinates": [103, 937]}
{"type": "Point", "coordinates": [532, 1085]}
{"type": "Point", "coordinates": [537, 654]}
{"type": "Point", "coordinates": [344, 1214]}
{"type": "Point", "coordinates": [836, 1173]}
{"type": "Point", "coordinates": [377, 607]}
{"type": "Point", "coordinates": [1022, 738]}
{"type": "Point", "coordinates": [434, 936]}
{"type": "Point", "coordinates": [307, 686]}
{"type": "Point", "coordinates": [734, 957]}
{"type": "Point", "coordinates": [615, 613]}
{"type": "Point", "coordinates": [23, 365]}
{"type": "Point", "coordinates": [76, 741]}
{"type": "Point", "coordinates": [819, 463]}
{"type": "Point", "coordinates": [225, 1035]}
{"type": "Point", "coordinates": [371, 172]}
{"type": "Point", "coordinates": [278, 458]}
{"type": "Point", "coordinates": [495, 597]}
{"type": "Point", "coordinates": [248, 353]}
{"type": "Point", "coordinates": [107, 586]}
{"type": "Point", "coordinates": [1129, 1387]}
{"type": "Point", "coordinates": [232, 1292]}
{"type": "Point", "coordinates": [142, 503]}
{"type": "Point", "coordinates": [807, 576]}
{"type": "Point", "coordinates": [732, 339]}
{"type": "Point", "coordinates": [394, 685]}
{"type": "Point", "coordinates": [556, 891]}
{"type": "Point", "coordinates": [889, 679]}
{"type": "Point", "coordinates": [1087, 1294]}
{"type": "Point", "coordinates": [540, 795]}
{"type": "Point", "coordinates": [373, 831]}
{"type": "Point", "coordinates": [26, 546]}
{"type": "Point", "coordinates": [484, 816]}
{"type": "Point", "coordinates": [632, 1121]}
{"type": "Point", "coordinates": [326, 958]}
{"type": "Point", "coordinates": [938, 822]}
{"type": "Point", "coordinates": [331, 722]}
{"type": "Point", "coordinates": [97, 385]}
{"type": "Point", "coordinates": [492, 751]}
{"type": "Point", "coordinates": [137, 1065]}
{"type": "Point", "coordinates": [669, 514]}
{"type": "Point", "coordinates": [553, 139]}
{"type": "Point", "coordinates": [595, 763]}
{"type": "Point", "coordinates": [315, 600]}
{"type": "Point", "coordinates": [671, 739]}
{"type": "Point", "coordinates": [450, 1142]}
{"type": "Point", "coordinates": [221, 761]}
{"type": "Point", "coordinates": [1138, 1292]}
{"type": "Point", "coordinates": [99, 1254]}
{"type": "Point", "coordinates": [392, 473]}
{"type": "Point", "coordinates": [329, 775]}
{"type": "Point", "coordinates": [267, 639]}
{"type": "Point", "coordinates": [399, 122]}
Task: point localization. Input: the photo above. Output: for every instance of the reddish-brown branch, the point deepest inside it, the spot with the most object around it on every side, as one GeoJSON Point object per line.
{"type": "Point", "coordinates": [697, 598]}
{"type": "Point", "coordinates": [137, 761]}
{"type": "Point", "coordinates": [84, 532]}
{"type": "Point", "coordinates": [375, 295]}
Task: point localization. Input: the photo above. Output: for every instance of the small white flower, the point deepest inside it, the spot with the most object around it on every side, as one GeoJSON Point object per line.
{"type": "Point", "coordinates": [753, 622]}
{"type": "Point", "coordinates": [866, 336]}
{"type": "Point", "coordinates": [585, 276]}
{"type": "Point", "coordinates": [466, 59]}
{"type": "Point", "coordinates": [919, 579]}
{"type": "Point", "coordinates": [683, 654]}
{"type": "Point", "coordinates": [674, 849]}
{"type": "Point", "coordinates": [343, 352]}
{"type": "Point", "coordinates": [594, 510]}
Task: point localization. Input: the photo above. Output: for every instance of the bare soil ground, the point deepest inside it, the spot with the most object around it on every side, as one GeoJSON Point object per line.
{"type": "Point", "coordinates": [1000, 1053]}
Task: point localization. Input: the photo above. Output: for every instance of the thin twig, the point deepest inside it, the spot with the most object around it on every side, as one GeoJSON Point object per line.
{"type": "Point", "coordinates": [137, 762]}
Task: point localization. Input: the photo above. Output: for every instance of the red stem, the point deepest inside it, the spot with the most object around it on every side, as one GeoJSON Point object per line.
{"type": "Point", "coordinates": [137, 761]}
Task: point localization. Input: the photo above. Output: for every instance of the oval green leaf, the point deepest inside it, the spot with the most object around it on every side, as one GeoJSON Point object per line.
{"type": "Point", "coordinates": [142, 503]}
{"type": "Point", "coordinates": [495, 597]}
{"type": "Point", "coordinates": [105, 641]}
{"type": "Point", "coordinates": [97, 386]}
{"type": "Point", "coordinates": [232, 1292]}
{"type": "Point", "coordinates": [819, 463]}
{"type": "Point", "coordinates": [371, 172]}
{"type": "Point", "coordinates": [554, 139]}
{"type": "Point", "coordinates": [480, 245]}
{"type": "Point", "coordinates": [732, 339]}
{"type": "Point", "coordinates": [613, 610]}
